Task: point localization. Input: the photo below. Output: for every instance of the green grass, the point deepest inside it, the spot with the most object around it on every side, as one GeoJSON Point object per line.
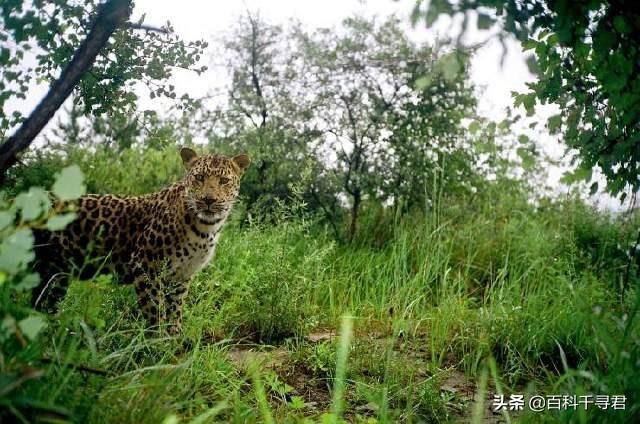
{"type": "Point", "coordinates": [486, 296]}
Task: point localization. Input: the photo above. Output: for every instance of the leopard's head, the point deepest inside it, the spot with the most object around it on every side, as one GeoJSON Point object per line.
{"type": "Point", "coordinates": [213, 183]}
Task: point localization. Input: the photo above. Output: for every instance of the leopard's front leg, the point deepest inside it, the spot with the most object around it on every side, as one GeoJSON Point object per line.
{"type": "Point", "coordinates": [148, 297]}
{"type": "Point", "coordinates": [174, 302]}
{"type": "Point", "coordinates": [161, 302]}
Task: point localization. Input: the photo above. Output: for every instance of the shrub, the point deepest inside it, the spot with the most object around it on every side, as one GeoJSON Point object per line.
{"type": "Point", "coordinates": [261, 284]}
{"type": "Point", "coordinates": [21, 326]}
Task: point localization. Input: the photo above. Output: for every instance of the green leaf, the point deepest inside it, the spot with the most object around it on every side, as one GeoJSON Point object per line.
{"type": "Point", "coordinates": [29, 282]}
{"type": "Point", "coordinates": [604, 40]}
{"type": "Point", "coordinates": [33, 203]}
{"type": "Point", "coordinates": [69, 184]}
{"type": "Point", "coordinates": [484, 21]}
{"type": "Point", "coordinates": [16, 251]}
{"type": "Point", "coordinates": [328, 418]}
{"type": "Point", "coordinates": [532, 65]}
{"type": "Point", "coordinates": [529, 44]}
{"type": "Point", "coordinates": [415, 14]}
{"type": "Point", "coordinates": [59, 222]}
{"type": "Point", "coordinates": [554, 123]}
{"type": "Point", "coordinates": [450, 66]}
{"type": "Point", "coordinates": [474, 127]}
{"type": "Point", "coordinates": [431, 16]}
{"type": "Point", "coordinates": [297, 402]}
{"type": "Point", "coordinates": [6, 218]}
{"type": "Point", "coordinates": [484, 147]}
{"type": "Point", "coordinates": [620, 24]}
{"type": "Point", "coordinates": [32, 325]}
{"type": "Point", "coordinates": [527, 157]}
{"type": "Point", "coordinates": [529, 103]}
{"type": "Point", "coordinates": [593, 189]}
{"type": "Point", "coordinates": [579, 174]}
{"type": "Point", "coordinates": [8, 325]}
{"type": "Point", "coordinates": [423, 82]}
{"type": "Point", "coordinates": [171, 419]}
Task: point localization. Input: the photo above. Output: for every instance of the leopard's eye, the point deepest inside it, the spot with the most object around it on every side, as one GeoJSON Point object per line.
{"type": "Point", "coordinates": [199, 178]}
{"type": "Point", "coordinates": [224, 180]}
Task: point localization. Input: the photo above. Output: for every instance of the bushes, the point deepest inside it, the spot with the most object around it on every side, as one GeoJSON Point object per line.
{"type": "Point", "coordinates": [21, 346]}
{"type": "Point", "coordinates": [535, 287]}
{"type": "Point", "coordinates": [503, 278]}
{"type": "Point", "coordinates": [261, 283]}
{"type": "Point", "coordinates": [131, 171]}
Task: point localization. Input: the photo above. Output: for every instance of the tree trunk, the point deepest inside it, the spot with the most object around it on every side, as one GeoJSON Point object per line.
{"type": "Point", "coordinates": [355, 209]}
{"type": "Point", "coordinates": [111, 15]}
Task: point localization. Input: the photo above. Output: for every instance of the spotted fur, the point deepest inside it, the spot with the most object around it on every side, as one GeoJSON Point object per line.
{"type": "Point", "coordinates": [157, 241]}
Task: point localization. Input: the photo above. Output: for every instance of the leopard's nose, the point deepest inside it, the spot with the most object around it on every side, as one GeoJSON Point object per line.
{"type": "Point", "coordinates": [208, 201]}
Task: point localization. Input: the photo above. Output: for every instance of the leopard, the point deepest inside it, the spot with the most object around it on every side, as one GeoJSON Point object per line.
{"type": "Point", "coordinates": [157, 242]}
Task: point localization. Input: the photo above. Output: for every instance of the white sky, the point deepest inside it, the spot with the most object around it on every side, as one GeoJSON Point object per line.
{"type": "Point", "coordinates": [209, 20]}
{"type": "Point", "coordinates": [202, 19]}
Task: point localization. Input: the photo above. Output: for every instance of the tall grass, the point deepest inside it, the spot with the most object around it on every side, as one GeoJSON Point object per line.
{"type": "Point", "coordinates": [508, 296]}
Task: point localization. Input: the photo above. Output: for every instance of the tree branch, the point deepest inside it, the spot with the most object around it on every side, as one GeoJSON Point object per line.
{"type": "Point", "coordinates": [255, 33]}
{"type": "Point", "coordinates": [111, 15]}
{"type": "Point", "coordinates": [148, 28]}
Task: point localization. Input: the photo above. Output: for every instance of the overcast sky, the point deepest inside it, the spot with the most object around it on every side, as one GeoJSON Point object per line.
{"type": "Point", "coordinates": [197, 19]}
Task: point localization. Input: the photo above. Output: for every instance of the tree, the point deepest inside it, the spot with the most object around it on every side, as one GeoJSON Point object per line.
{"type": "Point", "coordinates": [267, 114]}
{"type": "Point", "coordinates": [587, 56]}
{"type": "Point", "coordinates": [430, 144]}
{"type": "Point", "coordinates": [390, 110]}
{"type": "Point", "coordinates": [102, 69]}
{"type": "Point", "coordinates": [353, 76]}
{"type": "Point", "coordinates": [347, 117]}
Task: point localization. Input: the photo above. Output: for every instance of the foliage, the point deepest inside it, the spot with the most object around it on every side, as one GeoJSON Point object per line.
{"type": "Point", "coordinates": [139, 170]}
{"type": "Point", "coordinates": [268, 115]}
{"type": "Point", "coordinates": [383, 121]}
{"type": "Point", "coordinates": [429, 143]}
{"type": "Point", "coordinates": [113, 132]}
{"type": "Point", "coordinates": [362, 113]}
{"type": "Point", "coordinates": [50, 32]}
{"type": "Point", "coordinates": [380, 122]}
{"type": "Point", "coordinates": [276, 286]}
{"type": "Point", "coordinates": [460, 279]}
{"type": "Point", "coordinates": [21, 328]}
{"type": "Point", "coordinates": [443, 289]}
{"type": "Point", "coordinates": [586, 59]}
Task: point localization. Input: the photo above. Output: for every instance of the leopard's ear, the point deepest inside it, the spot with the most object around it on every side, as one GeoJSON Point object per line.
{"type": "Point", "coordinates": [188, 156]}
{"type": "Point", "coordinates": [242, 162]}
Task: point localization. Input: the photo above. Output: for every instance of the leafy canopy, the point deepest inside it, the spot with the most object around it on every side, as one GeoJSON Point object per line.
{"type": "Point", "coordinates": [587, 57]}
{"type": "Point", "coordinates": [39, 38]}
